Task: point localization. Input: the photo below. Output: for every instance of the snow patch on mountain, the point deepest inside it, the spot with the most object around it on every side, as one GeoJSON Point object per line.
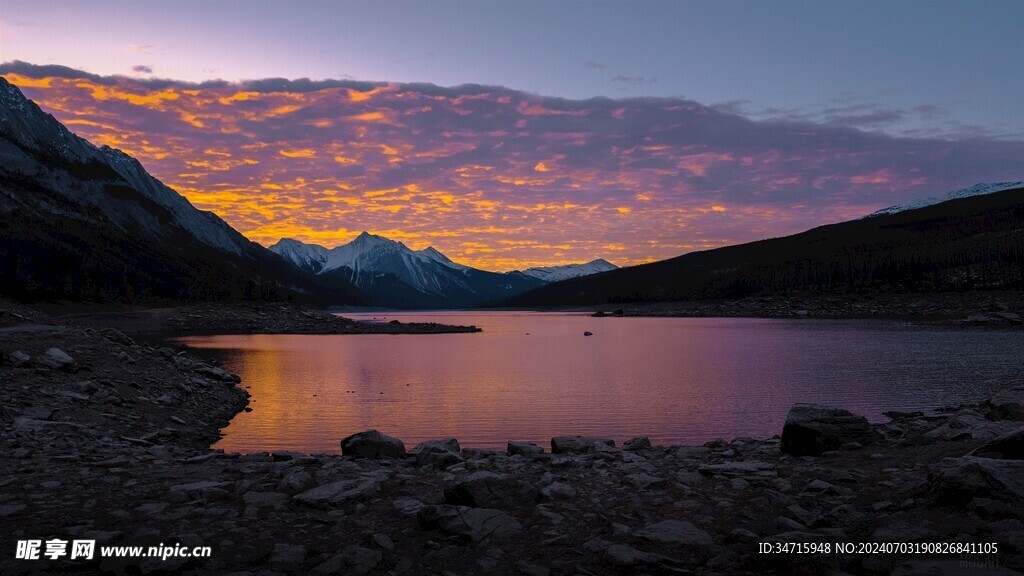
{"type": "Point", "coordinates": [976, 190]}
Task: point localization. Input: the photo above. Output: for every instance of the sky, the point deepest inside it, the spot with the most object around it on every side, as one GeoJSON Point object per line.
{"type": "Point", "coordinates": [509, 134]}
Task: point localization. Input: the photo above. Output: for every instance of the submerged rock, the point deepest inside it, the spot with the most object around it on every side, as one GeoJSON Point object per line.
{"type": "Point", "coordinates": [372, 444]}
{"type": "Point", "coordinates": [811, 429]}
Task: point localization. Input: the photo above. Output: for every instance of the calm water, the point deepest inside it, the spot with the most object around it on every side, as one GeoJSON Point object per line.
{"type": "Point", "coordinates": [530, 376]}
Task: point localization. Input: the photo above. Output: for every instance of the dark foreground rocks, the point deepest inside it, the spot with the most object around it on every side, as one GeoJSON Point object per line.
{"type": "Point", "coordinates": [113, 448]}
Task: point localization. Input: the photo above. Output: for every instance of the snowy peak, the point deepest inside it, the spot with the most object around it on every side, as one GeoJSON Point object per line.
{"type": "Point", "coordinates": [559, 273]}
{"type": "Point", "coordinates": [309, 257]}
{"type": "Point", "coordinates": [381, 265]}
{"type": "Point", "coordinates": [976, 190]}
{"type": "Point", "coordinates": [433, 254]}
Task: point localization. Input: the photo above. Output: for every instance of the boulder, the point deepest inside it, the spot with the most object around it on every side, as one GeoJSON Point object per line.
{"type": "Point", "coordinates": [1006, 447]}
{"type": "Point", "coordinates": [811, 430]}
{"type": "Point", "coordinates": [473, 525]}
{"type": "Point", "coordinates": [578, 444]}
{"type": "Point", "coordinates": [57, 359]}
{"type": "Point", "coordinates": [372, 444]}
{"type": "Point", "coordinates": [489, 490]}
{"type": "Point", "coordinates": [342, 491]}
{"type": "Point", "coordinates": [1007, 404]}
{"type": "Point", "coordinates": [676, 534]}
{"type": "Point", "coordinates": [523, 449]}
{"type": "Point", "coordinates": [631, 561]}
{"type": "Point", "coordinates": [638, 443]}
{"type": "Point", "coordinates": [440, 453]}
{"type": "Point", "coordinates": [956, 481]}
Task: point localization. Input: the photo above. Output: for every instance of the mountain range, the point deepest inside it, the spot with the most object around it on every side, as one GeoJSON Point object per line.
{"type": "Point", "coordinates": [83, 222]}
{"type": "Point", "coordinates": [971, 240]}
{"type": "Point", "coordinates": [89, 223]}
{"type": "Point", "coordinates": [394, 274]}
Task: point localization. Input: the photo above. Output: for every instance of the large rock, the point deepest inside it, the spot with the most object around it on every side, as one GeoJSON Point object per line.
{"type": "Point", "coordinates": [956, 481]}
{"type": "Point", "coordinates": [1007, 404]}
{"type": "Point", "coordinates": [811, 430]}
{"type": "Point", "coordinates": [440, 453]}
{"type": "Point", "coordinates": [1007, 447]}
{"type": "Point", "coordinates": [489, 490]}
{"type": "Point", "coordinates": [342, 491]}
{"type": "Point", "coordinates": [57, 359]}
{"type": "Point", "coordinates": [638, 443]}
{"type": "Point", "coordinates": [523, 449]}
{"type": "Point", "coordinates": [632, 561]}
{"type": "Point", "coordinates": [372, 444]}
{"type": "Point", "coordinates": [469, 524]}
{"type": "Point", "coordinates": [578, 444]}
{"type": "Point", "coordinates": [675, 534]}
{"type": "Point", "coordinates": [968, 424]}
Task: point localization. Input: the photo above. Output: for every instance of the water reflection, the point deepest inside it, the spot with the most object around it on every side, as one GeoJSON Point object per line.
{"type": "Point", "coordinates": [530, 376]}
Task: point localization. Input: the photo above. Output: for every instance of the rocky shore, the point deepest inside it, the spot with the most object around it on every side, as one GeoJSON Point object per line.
{"type": "Point", "coordinates": [287, 319]}
{"type": "Point", "coordinates": [105, 438]}
{"type": "Point", "coordinates": [948, 308]}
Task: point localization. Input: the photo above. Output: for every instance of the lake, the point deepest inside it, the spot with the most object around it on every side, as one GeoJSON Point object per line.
{"type": "Point", "coordinates": [533, 375]}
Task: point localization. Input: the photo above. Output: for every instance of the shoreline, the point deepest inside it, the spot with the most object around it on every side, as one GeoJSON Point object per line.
{"type": "Point", "coordinates": [109, 440]}
{"type": "Point", "coordinates": [946, 309]}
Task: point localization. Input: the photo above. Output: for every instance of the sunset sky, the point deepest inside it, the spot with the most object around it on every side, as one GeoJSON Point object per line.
{"type": "Point", "coordinates": [530, 133]}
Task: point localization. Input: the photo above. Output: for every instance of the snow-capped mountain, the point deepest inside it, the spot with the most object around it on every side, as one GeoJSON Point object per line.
{"type": "Point", "coordinates": [81, 221]}
{"type": "Point", "coordinates": [559, 273]}
{"type": "Point", "coordinates": [976, 190]}
{"type": "Point", "coordinates": [400, 276]}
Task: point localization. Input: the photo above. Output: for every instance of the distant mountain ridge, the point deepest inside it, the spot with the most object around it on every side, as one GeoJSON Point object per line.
{"type": "Point", "coordinates": [980, 189]}
{"type": "Point", "coordinates": [84, 222]}
{"type": "Point", "coordinates": [395, 275]}
{"type": "Point", "coordinates": [974, 241]}
{"type": "Point", "coordinates": [567, 271]}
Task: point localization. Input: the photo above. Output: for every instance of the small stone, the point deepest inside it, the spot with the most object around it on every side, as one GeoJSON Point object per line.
{"type": "Point", "coordinates": [19, 358]}
{"type": "Point", "coordinates": [57, 359]}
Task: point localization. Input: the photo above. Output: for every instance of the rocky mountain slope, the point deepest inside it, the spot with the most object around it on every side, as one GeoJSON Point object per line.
{"type": "Point", "coordinates": [970, 243]}
{"type": "Point", "coordinates": [84, 222]}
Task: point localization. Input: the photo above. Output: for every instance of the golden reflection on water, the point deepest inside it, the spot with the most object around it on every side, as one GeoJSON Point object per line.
{"type": "Point", "coordinates": [530, 376]}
